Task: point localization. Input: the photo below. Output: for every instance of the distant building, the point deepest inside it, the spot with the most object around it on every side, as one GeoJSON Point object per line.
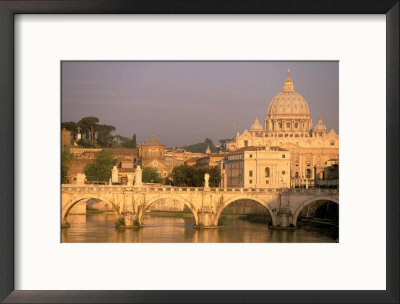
{"type": "Point", "coordinates": [256, 167]}
{"type": "Point", "coordinates": [191, 161]}
{"type": "Point", "coordinates": [65, 139]}
{"type": "Point", "coordinates": [329, 177]}
{"type": "Point", "coordinates": [288, 125]}
{"type": "Point", "coordinates": [174, 158]}
{"type": "Point", "coordinates": [125, 160]}
{"type": "Point", "coordinates": [211, 160]}
{"type": "Point", "coordinates": [152, 153]}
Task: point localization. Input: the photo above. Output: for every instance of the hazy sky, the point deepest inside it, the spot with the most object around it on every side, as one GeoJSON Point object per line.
{"type": "Point", "coordinates": [184, 102]}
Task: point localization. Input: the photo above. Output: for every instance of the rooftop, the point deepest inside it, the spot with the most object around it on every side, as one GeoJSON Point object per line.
{"type": "Point", "coordinates": [152, 142]}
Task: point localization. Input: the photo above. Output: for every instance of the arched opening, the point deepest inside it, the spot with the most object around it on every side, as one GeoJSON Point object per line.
{"type": "Point", "coordinates": [170, 211]}
{"type": "Point", "coordinates": [245, 209]}
{"type": "Point", "coordinates": [319, 213]}
{"type": "Point", "coordinates": [86, 207]}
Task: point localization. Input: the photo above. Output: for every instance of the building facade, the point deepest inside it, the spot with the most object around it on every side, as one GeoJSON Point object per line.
{"type": "Point", "coordinates": [152, 153]}
{"type": "Point", "coordinates": [288, 126]}
{"type": "Point", "coordinates": [124, 158]}
{"type": "Point", "coordinates": [257, 167]}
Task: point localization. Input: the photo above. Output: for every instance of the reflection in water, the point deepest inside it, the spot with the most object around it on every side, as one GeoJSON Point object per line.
{"type": "Point", "coordinates": [99, 228]}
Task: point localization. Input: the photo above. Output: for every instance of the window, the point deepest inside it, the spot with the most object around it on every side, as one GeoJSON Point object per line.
{"type": "Point", "coordinates": [280, 125]}
{"type": "Point", "coordinates": [283, 156]}
{"type": "Point", "coordinates": [288, 125]}
{"type": "Point", "coordinates": [267, 181]}
{"type": "Point", "coordinates": [297, 175]}
{"type": "Point", "coordinates": [165, 174]}
{"type": "Point", "coordinates": [283, 172]}
{"type": "Point", "coordinates": [308, 173]}
{"type": "Point", "coordinates": [250, 181]}
{"type": "Point", "coordinates": [251, 155]}
{"type": "Point", "coordinates": [296, 125]}
{"type": "Point", "coordinates": [246, 143]}
{"type": "Point", "coordinates": [332, 143]}
{"type": "Point", "coordinates": [251, 173]}
{"type": "Point", "coordinates": [266, 172]}
{"type": "Point", "coordinates": [155, 164]}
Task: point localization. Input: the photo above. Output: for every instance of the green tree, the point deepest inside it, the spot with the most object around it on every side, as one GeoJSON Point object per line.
{"type": "Point", "coordinates": [201, 147]}
{"type": "Point", "coordinates": [134, 141]}
{"type": "Point", "coordinates": [70, 126]}
{"type": "Point", "coordinates": [208, 142]}
{"type": "Point", "coordinates": [189, 176]}
{"type": "Point", "coordinates": [100, 168]}
{"type": "Point", "coordinates": [85, 143]}
{"type": "Point", "coordinates": [215, 176]}
{"type": "Point", "coordinates": [150, 175]}
{"type": "Point", "coordinates": [120, 140]}
{"type": "Point", "coordinates": [104, 136]}
{"type": "Point", "coordinates": [223, 143]}
{"type": "Point", "coordinates": [88, 126]}
{"type": "Point", "coordinates": [183, 176]}
{"type": "Point", "coordinates": [66, 158]}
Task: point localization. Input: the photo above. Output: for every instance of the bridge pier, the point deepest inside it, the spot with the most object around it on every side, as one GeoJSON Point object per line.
{"type": "Point", "coordinates": [130, 220]}
{"type": "Point", "coordinates": [284, 217]}
{"type": "Point", "coordinates": [206, 219]}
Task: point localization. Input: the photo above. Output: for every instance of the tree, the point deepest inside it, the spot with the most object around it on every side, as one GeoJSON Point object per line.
{"type": "Point", "coordinates": [85, 143]}
{"type": "Point", "coordinates": [187, 176]}
{"type": "Point", "coordinates": [201, 147]}
{"type": "Point", "coordinates": [100, 168]}
{"type": "Point", "coordinates": [215, 176]}
{"type": "Point", "coordinates": [70, 126]}
{"type": "Point", "coordinates": [208, 142]}
{"type": "Point", "coordinates": [183, 176]}
{"type": "Point", "coordinates": [134, 141]}
{"type": "Point", "coordinates": [150, 175]}
{"type": "Point", "coordinates": [104, 137]}
{"type": "Point", "coordinates": [223, 143]}
{"type": "Point", "coordinates": [66, 158]}
{"type": "Point", "coordinates": [88, 126]}
{"type": "Point", "coordinates": [130, 143]}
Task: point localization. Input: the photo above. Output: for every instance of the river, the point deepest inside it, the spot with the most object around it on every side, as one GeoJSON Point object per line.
{"type": "Point", "coordinates": [178, 228]}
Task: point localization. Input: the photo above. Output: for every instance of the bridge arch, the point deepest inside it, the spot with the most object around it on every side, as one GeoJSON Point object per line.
{"type": "Point", "coordinates": [71, 203]}
{"type": "Point", "coordinates": [333, 199]}
{"type": "Point", "coordinates": [244, 197]}
{"type": "Point", "coordinates": [180, 199]}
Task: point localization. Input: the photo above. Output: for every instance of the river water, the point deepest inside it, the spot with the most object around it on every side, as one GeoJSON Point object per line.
{"type": "Point", "coordinates": [166, 228]}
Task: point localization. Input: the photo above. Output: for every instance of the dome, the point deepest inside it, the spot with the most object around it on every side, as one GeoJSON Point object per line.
{"type": "Point", "coordinates": [256, 126]}
{"type": "Point", "coordinates": [320, 127]}
{"type": "Point", "coordinates": [288, 103]}
{"type": "Point", "coordinates": [288, 113]}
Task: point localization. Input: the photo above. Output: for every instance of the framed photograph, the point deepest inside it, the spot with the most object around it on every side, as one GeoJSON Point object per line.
{"type": "Point", "coordinates": [191, 152]}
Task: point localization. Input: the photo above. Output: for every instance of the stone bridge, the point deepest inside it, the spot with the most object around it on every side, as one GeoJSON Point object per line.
{"type": "Point", "coordinates": [130, 203]}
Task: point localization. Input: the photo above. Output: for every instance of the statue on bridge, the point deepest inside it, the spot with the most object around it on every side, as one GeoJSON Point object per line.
{"type": "Point", "coordinates": [206, 178]}
{"type": "Point", "coordinates": [138, 177]}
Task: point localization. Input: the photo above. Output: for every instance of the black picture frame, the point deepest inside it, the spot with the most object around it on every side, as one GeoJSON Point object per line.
{"type": "Point", "coordinates": [7, 11]}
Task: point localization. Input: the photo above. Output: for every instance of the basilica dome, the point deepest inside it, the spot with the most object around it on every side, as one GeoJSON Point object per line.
{"type": "Point", "coordinates": [288, 113]}
{"type": "Point", "coordinates": [288, 102]}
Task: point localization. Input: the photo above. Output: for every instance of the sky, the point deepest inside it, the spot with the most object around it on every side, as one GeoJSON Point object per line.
{"type": "Point", "coordinates": [184, 102]}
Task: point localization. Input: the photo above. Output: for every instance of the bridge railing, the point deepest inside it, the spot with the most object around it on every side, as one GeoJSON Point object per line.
{"type": "Point", "coordinates": [169, 189]}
